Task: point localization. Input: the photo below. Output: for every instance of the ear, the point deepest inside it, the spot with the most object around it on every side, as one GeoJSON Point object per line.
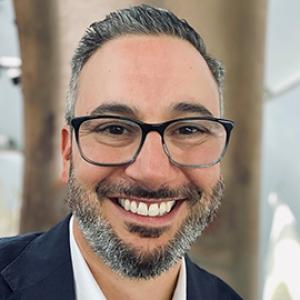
{"type": "Point", "coordinates": [66, 152]}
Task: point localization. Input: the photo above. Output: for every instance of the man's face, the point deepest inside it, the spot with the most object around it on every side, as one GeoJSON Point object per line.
{"type": "Point", "coordinates": [148, 76]}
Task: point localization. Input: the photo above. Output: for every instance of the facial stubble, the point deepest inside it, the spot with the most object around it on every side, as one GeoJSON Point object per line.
{"type": "Point", "coordinates": [124, 258]}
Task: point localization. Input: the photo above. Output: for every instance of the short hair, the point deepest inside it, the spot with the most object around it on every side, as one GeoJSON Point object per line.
{"type": "Point", "coordinates": [137, 20]}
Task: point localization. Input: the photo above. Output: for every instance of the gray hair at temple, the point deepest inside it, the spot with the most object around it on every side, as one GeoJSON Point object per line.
{"type": "Point", "coordinates": [141, 20]}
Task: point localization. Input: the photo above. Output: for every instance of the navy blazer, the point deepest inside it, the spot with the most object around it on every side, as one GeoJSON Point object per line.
{"type": "Point", "coordinates": [38, 266]}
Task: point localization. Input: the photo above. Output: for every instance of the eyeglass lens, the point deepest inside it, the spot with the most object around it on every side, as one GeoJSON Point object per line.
{"type": "Point", "coordinates": [116, 141]}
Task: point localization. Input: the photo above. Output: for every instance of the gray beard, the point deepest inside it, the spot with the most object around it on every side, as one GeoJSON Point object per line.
{"type": "Point", "coordinates": [124, 258]}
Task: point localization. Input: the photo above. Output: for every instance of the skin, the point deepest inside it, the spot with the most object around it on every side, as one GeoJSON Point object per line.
{"type": "Point", "coordinates": [150, 75]}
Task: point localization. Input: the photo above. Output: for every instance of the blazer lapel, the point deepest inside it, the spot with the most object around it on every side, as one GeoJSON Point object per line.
{"type": "Point", "coordinates": [193, 282]}
{"type": "Point", "coordinates": [44, 269]}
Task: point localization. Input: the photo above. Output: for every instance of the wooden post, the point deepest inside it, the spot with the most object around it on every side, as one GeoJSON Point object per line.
{"type": "Point", "coordinates": [42, 192]}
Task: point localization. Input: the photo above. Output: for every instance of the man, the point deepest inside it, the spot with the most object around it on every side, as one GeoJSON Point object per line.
{"type": "Point", "coordinates": [141, 152]}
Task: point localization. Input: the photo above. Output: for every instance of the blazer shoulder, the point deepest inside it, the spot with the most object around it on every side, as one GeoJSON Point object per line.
{"type": "Point", "coordinates": [211, 286]}
{"type": "Point", "coordinates": [11, 247]}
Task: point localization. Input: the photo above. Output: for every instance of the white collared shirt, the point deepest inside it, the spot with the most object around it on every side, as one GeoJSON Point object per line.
{"type": "Point", "coordinates": [86, 286]}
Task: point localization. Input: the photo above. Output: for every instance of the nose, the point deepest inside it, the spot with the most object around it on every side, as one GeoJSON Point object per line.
{"type": "Point", "coordinates": [152, 168]}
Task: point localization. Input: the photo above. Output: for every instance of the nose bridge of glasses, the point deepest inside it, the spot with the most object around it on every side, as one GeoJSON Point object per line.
{"type": "Point", "coordinates": [152, 145]}
{"type": "Point", "coordinates": [159, 128]}
{"type": "Point", "coordinates": [148, 128]}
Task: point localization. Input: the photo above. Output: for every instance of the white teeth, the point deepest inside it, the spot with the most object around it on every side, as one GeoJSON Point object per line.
{"type": "Point", "coordinates": [170, 205]}
{"type": "Point", "coordinates": [162, 208]}
{"type": "Point", "coordinates": [133, 207]}
{"type": "Point", "coordinates": [141, 208]}
{"type": "Point", "coordinates": [127, 204]}
{"type": "Point", "coordinates": [153, 210]}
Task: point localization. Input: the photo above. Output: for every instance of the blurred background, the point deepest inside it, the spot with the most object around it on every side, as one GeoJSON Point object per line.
{"type": "Point", "coordinates": [254, 244]}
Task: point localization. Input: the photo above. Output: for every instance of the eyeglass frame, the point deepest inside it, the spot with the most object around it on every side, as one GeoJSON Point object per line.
{"type": "Point", "coordinates": [76, 122]}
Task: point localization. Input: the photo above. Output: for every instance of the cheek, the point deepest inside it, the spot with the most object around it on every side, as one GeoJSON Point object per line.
{"type": "Point", "coordinates": [88, 174]}
{"type": "Point", "coordinates": [204, 178]}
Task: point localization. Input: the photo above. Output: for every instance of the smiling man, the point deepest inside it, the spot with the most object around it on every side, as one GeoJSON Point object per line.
{"type": "Point", "coordinates": [141, 155]}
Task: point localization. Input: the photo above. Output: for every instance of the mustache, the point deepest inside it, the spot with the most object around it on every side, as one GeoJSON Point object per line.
{"type": "Point", "coordinates": [107, 189]}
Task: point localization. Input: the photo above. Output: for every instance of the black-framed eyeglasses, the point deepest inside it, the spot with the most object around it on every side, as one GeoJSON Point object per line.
{"type": "Point", "coordinates": [196, 142]}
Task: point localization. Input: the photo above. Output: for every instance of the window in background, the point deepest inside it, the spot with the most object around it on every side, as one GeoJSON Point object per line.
{"type": "Point", "coordinates": [11, 123]}
{"type": "Point", "coordinates": [280, 205]}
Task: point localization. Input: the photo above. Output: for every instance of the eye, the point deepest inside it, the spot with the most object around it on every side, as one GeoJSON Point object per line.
{"type": "Point", "coordinates": [191, 130]}
{"type": "Point", "coordinates": [186, 130]}
{"type": "Point", "coordinates": [112, 129]}
{"type": "Point", "coordinates": [115, 129]}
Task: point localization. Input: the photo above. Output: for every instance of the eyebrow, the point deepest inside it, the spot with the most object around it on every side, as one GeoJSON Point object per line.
{"type": "Point", "coordinates": [114, 108]}
{"type": "Point", "coordinates": [122, 109]}
{"type": "Point", "coordinates": [187, 107]}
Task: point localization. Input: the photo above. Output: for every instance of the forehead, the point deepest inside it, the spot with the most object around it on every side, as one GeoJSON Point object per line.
{"type": "Point", "coordinates": [149, 74]}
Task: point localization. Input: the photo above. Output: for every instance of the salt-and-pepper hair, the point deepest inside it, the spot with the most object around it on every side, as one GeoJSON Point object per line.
{"type": "Point", "coordinates": [138, 20]}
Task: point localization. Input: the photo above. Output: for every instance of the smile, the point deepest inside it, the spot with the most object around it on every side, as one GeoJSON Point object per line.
{"type": "Point", "coordinates": [147, 209]}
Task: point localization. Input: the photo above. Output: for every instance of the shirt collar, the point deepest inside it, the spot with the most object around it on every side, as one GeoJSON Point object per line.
{"type": "Point", "coordinates": [86, 286]}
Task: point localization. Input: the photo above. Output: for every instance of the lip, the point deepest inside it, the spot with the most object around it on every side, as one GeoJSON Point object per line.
{"type": "Point", "coordinates": [146, 220]}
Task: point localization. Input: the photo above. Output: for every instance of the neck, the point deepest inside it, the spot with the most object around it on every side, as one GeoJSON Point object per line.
{"type": "Point", "coordinates": [116, 287]}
